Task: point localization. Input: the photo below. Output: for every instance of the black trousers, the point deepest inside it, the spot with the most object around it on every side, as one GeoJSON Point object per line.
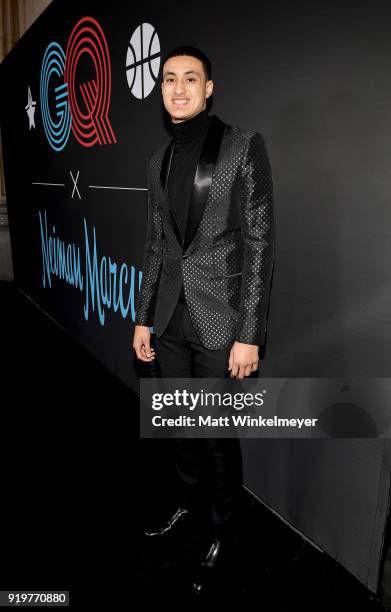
{"type": "Point", "coordinates": [209, 470]}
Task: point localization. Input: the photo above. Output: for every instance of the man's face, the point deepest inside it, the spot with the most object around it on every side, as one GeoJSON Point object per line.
{"type": "Point", "coordinates": [184, 87]}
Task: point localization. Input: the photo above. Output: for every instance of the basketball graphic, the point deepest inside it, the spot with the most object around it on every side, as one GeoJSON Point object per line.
{"type": "Point", "coordinates": [143, 60]}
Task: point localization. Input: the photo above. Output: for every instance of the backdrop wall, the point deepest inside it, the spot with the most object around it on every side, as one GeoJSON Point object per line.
{"type": "Point", "coordinates": [81, 110]}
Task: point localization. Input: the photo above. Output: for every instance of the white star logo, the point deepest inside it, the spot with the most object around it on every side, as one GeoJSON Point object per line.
{"type": "Point", "coordinates": [30, 108]}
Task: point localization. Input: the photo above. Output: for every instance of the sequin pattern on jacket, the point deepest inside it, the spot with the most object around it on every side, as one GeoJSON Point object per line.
{"type": "Point", "coordinates": [226, 268]}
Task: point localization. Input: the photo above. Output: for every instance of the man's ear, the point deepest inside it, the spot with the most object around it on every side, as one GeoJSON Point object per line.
{"type": "Point", "coordinates": [209, 85]}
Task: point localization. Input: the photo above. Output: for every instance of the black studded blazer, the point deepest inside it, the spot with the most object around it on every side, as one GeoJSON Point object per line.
{"type": "Point", "coordinates": [226, 258]}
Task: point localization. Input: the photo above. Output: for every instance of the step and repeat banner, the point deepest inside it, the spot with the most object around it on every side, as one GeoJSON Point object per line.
{"type": "Point", "coordinates": [81, 111]}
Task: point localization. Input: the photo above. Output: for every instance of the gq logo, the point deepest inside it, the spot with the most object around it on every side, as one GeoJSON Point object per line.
{"type": "Point", "coordinates": [90, 125]}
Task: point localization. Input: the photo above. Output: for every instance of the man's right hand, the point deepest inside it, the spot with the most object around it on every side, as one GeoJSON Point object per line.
{"type": "Point", "coordinates": [142, 343]}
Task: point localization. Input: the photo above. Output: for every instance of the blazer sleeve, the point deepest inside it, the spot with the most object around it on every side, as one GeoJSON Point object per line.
{"type": "Point", "coordinates": [152, 264]}
{"type": "Point", "coordinates": [257, 230]}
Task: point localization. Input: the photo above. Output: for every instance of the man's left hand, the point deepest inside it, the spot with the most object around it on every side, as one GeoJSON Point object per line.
{"type": "Point", "coordinates": [243, 359]}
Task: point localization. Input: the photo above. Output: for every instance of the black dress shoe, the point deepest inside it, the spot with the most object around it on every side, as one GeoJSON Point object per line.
{"type": "Point", "coordinates": [220, 556]}
{"type": "Point", "coordinates": [173, 522]}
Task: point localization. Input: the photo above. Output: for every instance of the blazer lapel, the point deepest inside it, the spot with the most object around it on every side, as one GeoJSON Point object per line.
{"type": "Point", "coordinates": [202, 180]}
{"type": "Point", "coordinates": [203, 177]}
{"type": "Point", "coordinates": [164, 172]}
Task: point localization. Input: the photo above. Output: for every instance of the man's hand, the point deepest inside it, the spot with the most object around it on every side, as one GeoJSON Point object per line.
{"type": "Point", "coordinates": [243, 359]}
{"type": "Point", "coordinates": [142, 343]}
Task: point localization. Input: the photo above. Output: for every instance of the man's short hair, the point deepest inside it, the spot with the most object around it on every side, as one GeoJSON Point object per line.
{"type": "Point", "coordinates": [194, 52]}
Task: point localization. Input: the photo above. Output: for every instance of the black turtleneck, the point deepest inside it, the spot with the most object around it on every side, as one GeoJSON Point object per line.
{"type": "Point", "coordinates": [191, 129]}
{"type": "Point", "coordinates": [188, 136]}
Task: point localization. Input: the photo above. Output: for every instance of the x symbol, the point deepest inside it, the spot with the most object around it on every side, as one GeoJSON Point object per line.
{"type": "Point", "coordinates": [74, 183]}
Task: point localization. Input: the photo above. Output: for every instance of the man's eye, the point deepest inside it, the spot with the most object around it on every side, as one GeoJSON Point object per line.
{"type": "Point", "coordinates": [189, 79]}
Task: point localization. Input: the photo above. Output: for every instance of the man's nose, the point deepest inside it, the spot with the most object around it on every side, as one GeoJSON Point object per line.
{"type": "Point", "coordinates": [179, 88]}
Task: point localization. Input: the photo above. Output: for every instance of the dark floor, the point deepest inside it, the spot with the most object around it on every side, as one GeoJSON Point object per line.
{"type": "Point", "coordinates": [74, 501]}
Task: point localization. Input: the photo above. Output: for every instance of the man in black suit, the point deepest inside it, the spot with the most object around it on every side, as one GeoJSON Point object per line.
{"type": "Point", "coordinates": [206, 275]}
